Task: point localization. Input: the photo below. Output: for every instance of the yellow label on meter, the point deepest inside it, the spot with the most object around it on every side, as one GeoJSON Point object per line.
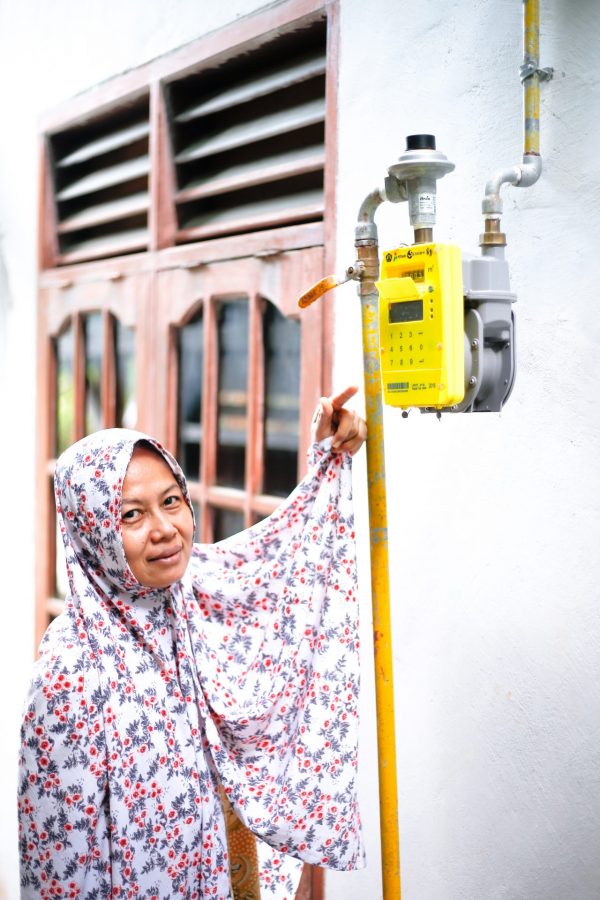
{"type": "Point", "coordinates": [421, 325]}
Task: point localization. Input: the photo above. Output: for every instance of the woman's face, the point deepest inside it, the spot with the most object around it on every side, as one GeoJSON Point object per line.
{"type": "Point", "coordinates": [156, 521]}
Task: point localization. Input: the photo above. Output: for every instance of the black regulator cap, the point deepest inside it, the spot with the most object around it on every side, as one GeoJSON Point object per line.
{"type": "Point", "coordinates": [420, 142]}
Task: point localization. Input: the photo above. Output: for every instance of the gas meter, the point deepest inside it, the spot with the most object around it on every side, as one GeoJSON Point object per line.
{"type": "Point", "coordinates": [467, 324]}
{"type": "Point", "coordinates": [446, 326]}
{"type": "Point", "coordinates": [421, 326]}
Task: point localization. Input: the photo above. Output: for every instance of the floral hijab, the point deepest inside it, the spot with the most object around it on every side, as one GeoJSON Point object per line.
{"type": "Point", "coordinates": [145, 703]}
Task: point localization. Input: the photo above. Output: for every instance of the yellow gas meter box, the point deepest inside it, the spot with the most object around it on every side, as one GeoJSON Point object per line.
{"type": "Point", "coordinates": [421, 326]}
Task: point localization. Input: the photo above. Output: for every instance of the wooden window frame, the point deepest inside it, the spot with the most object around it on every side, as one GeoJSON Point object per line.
{"type": "Point", "coordinates": [66, 289]}
{"type": "Point", "coordinates": [181, 292]}
{"type": "Point", "coordinates": [128, 286]}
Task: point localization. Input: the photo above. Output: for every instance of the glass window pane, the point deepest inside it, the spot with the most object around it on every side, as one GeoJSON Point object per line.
{"type": "Point", "coordinates": [63, 348]}
{"type": "Point", "coordinates": [190, 348]}
{"type": "Point", "coordinates": [93, 333]}
{"type": "Point", "coordinates": [232, 393]}
{"type": "Point", "coordinates": [281, 342]}
{"type": "Point", "coordinates": [126, 406]}
{"type": "Point", "coordinates": [226, 522]}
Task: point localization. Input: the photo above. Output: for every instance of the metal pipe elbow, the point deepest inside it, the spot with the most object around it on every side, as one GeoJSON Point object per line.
{"type": "Point", "coordinates": [521, 176]}
{"type": "Point", "coordinates": [531, 169]}
{"type": "Point", "coordinates": [366, 229]}
{"type": "Point", "coordinates": [492, 202]}
{"type": "Point", "coordinates": [370, 204]}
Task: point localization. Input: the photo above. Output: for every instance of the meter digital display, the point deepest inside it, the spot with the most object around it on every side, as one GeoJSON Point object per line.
{"type": "Point", "coordinates": [417, 275]}
{"type": "Point", "coordinates": [421, 326]}
{"type": "Point", "coordinates": [406, 311]}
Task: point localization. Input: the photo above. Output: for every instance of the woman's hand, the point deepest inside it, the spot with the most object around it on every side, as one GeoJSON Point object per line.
{"type": "Point", "coordinates": [330, 419]}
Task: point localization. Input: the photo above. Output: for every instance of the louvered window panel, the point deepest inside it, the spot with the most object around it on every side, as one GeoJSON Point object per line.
{"type": "Point", "coordinates": [248, 138]}
{"type": "Point", "coordinates": [100, 178]}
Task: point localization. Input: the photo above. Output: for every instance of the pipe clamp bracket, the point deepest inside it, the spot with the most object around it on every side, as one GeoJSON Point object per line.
{"type": "Point", "coordinates": [527, 70]}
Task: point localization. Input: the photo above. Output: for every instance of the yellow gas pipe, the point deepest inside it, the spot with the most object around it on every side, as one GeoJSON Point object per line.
{"type": "Point", "coordinates": [366, 270]}
{"type": "Point", "coordinates": [380, 582]}
{"type": "Point", "coordinates": [530, 169]}
{"type": "Point", "coordinates": [531, 82]}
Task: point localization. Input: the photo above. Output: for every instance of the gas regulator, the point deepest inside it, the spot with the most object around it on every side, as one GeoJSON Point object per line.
{"type": "Point", "coordinates": [446, 321]}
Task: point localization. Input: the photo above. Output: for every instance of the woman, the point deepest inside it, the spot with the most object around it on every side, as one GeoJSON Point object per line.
{"type": "Point", "coordinates": [179, 670]}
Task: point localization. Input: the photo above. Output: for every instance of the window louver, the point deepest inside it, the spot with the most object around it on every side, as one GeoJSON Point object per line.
{"type": "Point", "coordinates": [100, 171]}
{"type": "Point", "coordinates": [248, 139]}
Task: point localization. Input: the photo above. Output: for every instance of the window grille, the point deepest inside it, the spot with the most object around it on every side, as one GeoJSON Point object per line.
{"type": "Point", "coordinates": [234, 494]}
{"type": "Point", "coordinates": [248, 138]}
{"type": "Point", "coordinates": [100, 181]}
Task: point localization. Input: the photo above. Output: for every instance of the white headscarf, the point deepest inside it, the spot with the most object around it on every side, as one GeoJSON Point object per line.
{"type": "Point", "coordinates": [244, 673]}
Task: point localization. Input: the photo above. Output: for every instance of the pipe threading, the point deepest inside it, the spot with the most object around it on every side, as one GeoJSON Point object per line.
{"type": "Point", "coordinates": [367, 254]}
{"type": "Point", "coordinates": [492, 236]}
{"type": "Point", "coordinates": [423, 235]}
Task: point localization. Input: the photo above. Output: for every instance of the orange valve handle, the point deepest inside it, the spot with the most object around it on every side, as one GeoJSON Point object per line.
{"type": "Point", "coordinates": [317, 290]}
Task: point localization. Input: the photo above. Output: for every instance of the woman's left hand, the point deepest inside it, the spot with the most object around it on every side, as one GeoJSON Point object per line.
{"type": "Point", "coordinates": [330, 419]}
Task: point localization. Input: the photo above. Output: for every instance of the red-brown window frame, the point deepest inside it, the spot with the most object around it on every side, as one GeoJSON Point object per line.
{"type": "Point", "coordinates": [65, 284]}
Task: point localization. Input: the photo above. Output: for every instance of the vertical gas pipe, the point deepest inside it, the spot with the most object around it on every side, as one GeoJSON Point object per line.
{"type": "Point", "coordinates": [368, 265]}
{"type": "Point", "coordinates": [366, 271]}
{"type": "Point", "coordinates": [530, 74]}
{"type": "Point", "coordinates": [530, 169]}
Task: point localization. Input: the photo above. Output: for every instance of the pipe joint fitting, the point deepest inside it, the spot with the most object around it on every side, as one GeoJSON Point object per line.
{"type": "Point", "coordinates": [366, 229]}
{"type": "Point", "coordinates": [492, 202]}
{"type": "Point", "coordinates": [520, 176]}
{"type": "Point", "coordinates": [531, 170]}
{"type": "Point", "coordinates": [370, 205]}
{"type": "Point", "coordinates": [395, 190]}
{"type": "Point", "coordinates": [365, 232]}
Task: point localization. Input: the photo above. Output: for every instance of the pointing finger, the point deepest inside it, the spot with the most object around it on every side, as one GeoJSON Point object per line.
{"type": "Point", "coordinates": [340, 399]}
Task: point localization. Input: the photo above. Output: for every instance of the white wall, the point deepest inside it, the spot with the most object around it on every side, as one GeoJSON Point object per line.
{"type": "Point", "coordinates": [494, 530]}
{"type": "Point", "coordinates": [494, 540]}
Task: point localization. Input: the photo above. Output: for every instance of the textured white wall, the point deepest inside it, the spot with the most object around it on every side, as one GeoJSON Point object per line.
{"type": "Point", "coordinates": [494, 520]}
{"type": "Point", "coordinates": [494, 528]}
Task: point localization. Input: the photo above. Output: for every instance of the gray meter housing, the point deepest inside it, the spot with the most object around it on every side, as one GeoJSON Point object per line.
{"type": "Point", "coordinates": [490, 352]}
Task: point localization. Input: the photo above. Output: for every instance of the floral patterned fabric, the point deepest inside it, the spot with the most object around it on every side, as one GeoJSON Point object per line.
{"type": "Point", "coordinates": [144, 702]}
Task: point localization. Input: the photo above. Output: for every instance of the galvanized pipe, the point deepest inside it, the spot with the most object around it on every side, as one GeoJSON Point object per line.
{"type": "Point", "coordinates": [368, 259]}
{"type": "Point", "coordinates": [528, 172]}
{"type": "Point", "coordinates": [366, 229]}
{"type": "Point", "coordinates": [530, 73]}
{"type": "Point", "coordinates": [366, 271]}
